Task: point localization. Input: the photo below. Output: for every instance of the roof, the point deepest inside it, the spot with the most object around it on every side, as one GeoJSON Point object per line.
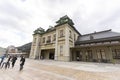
{"type": "Point", "coordinates": [70, 25]}
{"type": "Point", "coordinates": [63, 20]}
{"type": "Point", "coordinates": [66, 20]}
{"type": "Point", "coordinates": [99, 40]}
{"type": "Point", "coordinates": [101, 36]}
{"type": "Point", "coordinates": [50, 29]}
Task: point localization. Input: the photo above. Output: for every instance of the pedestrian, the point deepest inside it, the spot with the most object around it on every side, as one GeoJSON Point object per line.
{"type": "Point", "coordinates": [4, 63]}
{"type": "Point", "coordinates": [8, 62]}
{"type": "Point", "coordinates": [14, 58]}
{"type": "Point", "coordinates": [41, 57]}
{"type": "Point", "coordinates": [22, 61]}
{"type": "Point", "coordinates": [78, 58]}
{"type": "Point", "coordinates": [2, 59]}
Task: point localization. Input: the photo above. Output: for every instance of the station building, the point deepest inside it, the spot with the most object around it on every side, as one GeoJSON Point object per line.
{"type": "Point", "coordinates": [63, 42]}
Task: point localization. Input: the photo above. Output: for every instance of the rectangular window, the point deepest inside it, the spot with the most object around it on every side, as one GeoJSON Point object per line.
{"type": "Point", "coordinates": [98, 55]}
{"type": "Point", "coordinates": [48, 39]}
{"type": "Point", "coordinates": [61, 33]}
{"type": "Point", "coordinates": [101, 54]}
{"type": "Point", "coordinates": [54, 37]}
{"type": "Point", "coordinates": [74, 37]}
{"type": "Point", "coordinates": [43, 39]}
{"type": "Point", "coordinates": [90, 56]}
{"type": "Point", "coordinates": [116, 53]}
{"type": "Point", "coordinates": [61, 50]}
{"type": "Point", "coordinates": [70, 34]}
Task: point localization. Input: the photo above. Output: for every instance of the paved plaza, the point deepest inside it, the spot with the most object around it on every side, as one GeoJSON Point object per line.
{"type": "Point", "coordinates": [57, 70]}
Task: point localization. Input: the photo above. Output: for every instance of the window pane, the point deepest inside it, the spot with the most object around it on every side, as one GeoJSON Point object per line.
{"type": "Point", "coordinates": [54, 37]}
{"type": "Point", "coordinates": [44, 40]}
{"type": "Point", "coordinates": [48, 39]}
{"type": "Point", "coordinates": [61, 50]}
{"type": "Point", "coordinates": [61, 33]}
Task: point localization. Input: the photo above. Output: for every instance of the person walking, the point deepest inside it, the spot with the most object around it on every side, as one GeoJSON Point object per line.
{"type": "Point", "coordinates": [4, 62]}
{"type": "Point", "coordinates": [2, 59]}
{"type": "Point", "coordinates": [14, 58]}
{"type": "Point", "coordinates": [8, 62]}
{"type": "Point", "coordinates": [22, 61]}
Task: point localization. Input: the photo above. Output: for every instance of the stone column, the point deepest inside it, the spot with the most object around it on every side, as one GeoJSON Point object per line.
{"type": "Point", "coordinates": [110, 54]}
{"type": "Point", "coordinates": [56, 46]}
{"type": "Point", "coordinates": [94, 54]}
{"type": "Point", "coordinates": [83, 55]}
{"type": "Point", "coordinates": [67, 47]}
{"type": "Point", "coordinates": [74, 55]}
{"type": "Point", "coordinates": [31, 51]}
{"type": "Point", "coordinates": [36, 52]}
{"type": "Point", "coordinates": [40, 54]}
{"type": "Point", "coordinates": [71, 55]}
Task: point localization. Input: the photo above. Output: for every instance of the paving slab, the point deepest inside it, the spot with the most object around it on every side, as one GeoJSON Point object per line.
{"type": "Point", "coordinates": [57, 70]}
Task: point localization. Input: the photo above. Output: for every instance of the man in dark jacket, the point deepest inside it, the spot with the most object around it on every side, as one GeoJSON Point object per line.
{"type": "Point", "coordinates": [22, 61]}
{"type": "Point", "coordinates": [8, 62]}
{"type": "Point", "coordinates": [14, 60]}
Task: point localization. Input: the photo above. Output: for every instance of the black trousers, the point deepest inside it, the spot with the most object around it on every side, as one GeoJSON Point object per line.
{"type": "Point", "coordinates": [13, 63]}
{"type": "Point", "coordinates": [21, 67]}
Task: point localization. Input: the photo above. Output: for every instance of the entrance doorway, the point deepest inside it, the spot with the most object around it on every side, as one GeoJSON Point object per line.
{"type": "Point", "coordinates": [51, 56]}
{"type": "Point", "coordinates": [48, 54]}
{"type": "Point", "coordinates": [78, 56]}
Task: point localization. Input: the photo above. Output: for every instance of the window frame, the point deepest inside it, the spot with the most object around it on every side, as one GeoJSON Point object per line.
{"type": "Point", "coordinates": [61, 33]}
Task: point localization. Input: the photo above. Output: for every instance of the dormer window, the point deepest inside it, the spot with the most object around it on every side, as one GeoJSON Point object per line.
{"type": "Point", "coordinates": [91, 37]}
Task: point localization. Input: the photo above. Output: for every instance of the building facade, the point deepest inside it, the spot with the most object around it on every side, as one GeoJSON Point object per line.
{"type": "Point", "coordinates": [63, 42]}
{"type": "Point", "coordinates": [11, 49]}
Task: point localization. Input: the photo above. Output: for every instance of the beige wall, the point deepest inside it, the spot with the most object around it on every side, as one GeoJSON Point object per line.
{"type": "Point", "coordinates": [107, 51]}
{"type": "Point", "coordinates": [64, 47]}
{"type": "Point", "coordinates": [65, 41]}
{"type": "Point", "coordinates": [62, 44]}
{"type": "Point", "coordinates": [35, 46]}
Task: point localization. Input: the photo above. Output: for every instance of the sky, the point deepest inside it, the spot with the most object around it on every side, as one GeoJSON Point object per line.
{"type": "Point", "coordinates": [19, 18]}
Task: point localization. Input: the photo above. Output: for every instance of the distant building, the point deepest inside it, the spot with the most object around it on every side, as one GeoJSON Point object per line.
{"type": "Point", "coordinates": [12, 49]}
{"type": "Point", "coordinates": [63, 42]}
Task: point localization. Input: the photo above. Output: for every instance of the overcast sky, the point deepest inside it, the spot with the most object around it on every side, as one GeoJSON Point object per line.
{"type": "Point", "coordinates": [19, 18]}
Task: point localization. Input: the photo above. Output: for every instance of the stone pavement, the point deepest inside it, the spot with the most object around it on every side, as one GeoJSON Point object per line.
{"type": "Point", "coordinates": [56, 70]}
